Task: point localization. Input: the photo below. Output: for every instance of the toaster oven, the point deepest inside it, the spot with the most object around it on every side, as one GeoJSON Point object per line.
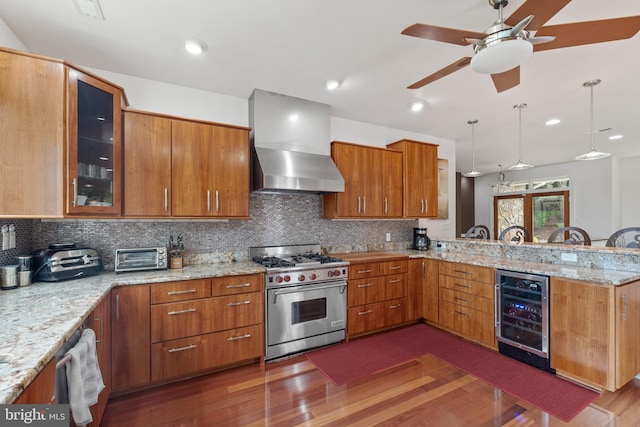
{"type": "Point", "coordinates": [139, 259]}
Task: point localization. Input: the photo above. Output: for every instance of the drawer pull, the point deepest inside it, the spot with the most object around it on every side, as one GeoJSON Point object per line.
{"type": "Point", "coordinates": [364, 271]}
{"type": "Point", "coordinates": [462, 286]}
{"type": "Point", "coordinates": [395, 281]}
{"type": "Point", "coordinates": [462, 299]}
{"type": "Point", "coordinates": [232, 304]}
{"type": "Point", "coordinates": [463, 314]}
{"type": "Point", "coordinates": [397, 267]}
{"type": "Point", "coordinates": [365, 285]}
{"type": "Point", "coordinates": [241, 337]}
{"type": "Point", "coordinates": [365, 312]}
{"type": "Point", "coordinates": [189, 310]}
{"type": "Point", "coordinates": [462, 271]}
{"type": "Point", "coordinates": [241, 285]}
{"type": "Point", "coordinates": [186, 291]}
{"type": "Point", "coordinates": [189, 347]}
{"type": "Point", "coordinates": [395, 306]}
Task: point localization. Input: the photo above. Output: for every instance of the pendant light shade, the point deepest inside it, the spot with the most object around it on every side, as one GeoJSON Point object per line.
{"type": "Point", "coordinates": [592, 154]}
{"type": "Point", "coordinates": [520, 165]}
{"type": "Point", "coordinates": [473, 172]}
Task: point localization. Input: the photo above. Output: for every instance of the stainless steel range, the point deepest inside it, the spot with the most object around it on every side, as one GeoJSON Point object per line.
{"type": "Point", "coordinates": [305, 298]}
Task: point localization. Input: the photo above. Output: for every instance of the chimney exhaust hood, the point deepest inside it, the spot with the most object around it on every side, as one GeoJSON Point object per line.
{"type": "Point", "coordinates": [290, 138]}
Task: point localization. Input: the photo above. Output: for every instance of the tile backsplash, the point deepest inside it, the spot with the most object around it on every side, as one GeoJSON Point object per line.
{"type": "Point", "coordinates": [276, 219]}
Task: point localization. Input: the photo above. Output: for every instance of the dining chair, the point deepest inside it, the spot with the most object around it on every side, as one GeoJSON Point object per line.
{"type": "Point", "coordinates": [576, 236]}
{"type": "Point", "coordinates": [515, 233]}
{"type": "Point", "coordinates": [477, 232]}
{"type": "Point", "coordinates": [628, 237]}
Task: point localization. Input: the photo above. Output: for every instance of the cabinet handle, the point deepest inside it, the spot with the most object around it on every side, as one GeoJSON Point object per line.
{"type": "Point", "coordinates": [423, 269]}
{"type": "Point", "coordinates": [421, 205]}
{"type": "Point", "coordinates": [462, 299]}
{"type": "Point", "coordinates": [358, 204]}
{"type": "Point", "coordinates": [386, 205]}
{"type": "Point", "coordinates": [74, 183]}
{"type": "Point", "coordinates": [364, 205]}
{"type": "Point", "coordinates": [208, 200]}
{"type": "Point", "coordinates": [462, 286]}
{"type": "Point", "coordinates": [233, 304]}
{"type": "Point", "coordinates": [365, 285]}
{"type": "Point", "coordinates": [462, 271]}
{"type": "Point", "coordinates": [395, 306]}
{"type": "Point", "coordinates": [625, 306]}
{"type": "Point", "coordinates": [397, 267]}
{"type": "Point", "coordinates": [241, 285]}
{"type": "Point", "coordinates": [186, 291]}
{"type": "Point", "coordinates": [99, 319]}
{"type": "Point", "coordinates": [189, 347]}
{"type": "Point", "coordinates": [166, 199]}
{"type": "Point", "coordinates": [117, 308]}
{"type": "Point", "coordinates": [463, 314]}
{"type": "Point", "coordinates": [365, 312]}
{"type": "Point", "coordinates": [240, 337]}
{"type": "Point", "coordinates": [364, 271]}
{"type": "Point", "coordinates": [426, 205]}
{"type": "Point", "coordinates": [395, 281]}
{"type": "Point", "coordinates": [189, 310]}
{"type": "Point", "coordinates": [217, 202]}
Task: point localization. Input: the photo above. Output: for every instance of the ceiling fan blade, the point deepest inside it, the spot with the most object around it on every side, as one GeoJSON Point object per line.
{"type": "Point", "coordinates": [458, 65]}
{"type": "Point", "coordinates": [581, 33]}
{"type": "Point", "coordinates": [507, 80]}
{"type": "Point", "coordinates": [521, 25]}
{"type": "Point", "coordinates": [543, 10]}
{"type": "Point", "coordinates": [442, 34]}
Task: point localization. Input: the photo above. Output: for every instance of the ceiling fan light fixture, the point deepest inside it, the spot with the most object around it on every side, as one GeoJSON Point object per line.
{"type": "Point", "coordinates": [592, 154]}
{"type": "Point", "coordinates": [500, 57]}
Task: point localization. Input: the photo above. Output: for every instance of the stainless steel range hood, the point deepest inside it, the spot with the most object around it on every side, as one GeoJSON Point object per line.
{"type": "Point", "coordinates": [290, 139]}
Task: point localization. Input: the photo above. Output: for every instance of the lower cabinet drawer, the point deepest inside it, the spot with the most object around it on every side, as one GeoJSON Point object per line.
{"type": "Point", "coordinates": [365, 318]}
{"type": "Point", "coordinates": [467, 300]}
{"type": "Point", "coordinates": [181, 319]}
{"type": "Point", "coordinates": [189, 355]}
{"type": "Point", "coordinates": [396, 311]}
{"type": "Point", "coordinates": [233, 311]}
{"type": "Point", "coordinates": [472, 324]}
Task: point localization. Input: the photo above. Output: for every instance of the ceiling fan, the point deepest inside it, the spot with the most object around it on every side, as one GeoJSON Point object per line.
{"type": "Point", "coordinates": [501, 49]}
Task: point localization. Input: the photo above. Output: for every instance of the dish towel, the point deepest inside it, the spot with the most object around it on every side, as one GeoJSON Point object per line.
{"type": "Point", "coordinates": [83, 377]}
{"type": "Point", "coordinates": [61, 388]}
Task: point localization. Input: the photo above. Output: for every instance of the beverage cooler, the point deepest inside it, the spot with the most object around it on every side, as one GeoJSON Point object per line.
{"type": "Point", "coordinates": [522, 317]}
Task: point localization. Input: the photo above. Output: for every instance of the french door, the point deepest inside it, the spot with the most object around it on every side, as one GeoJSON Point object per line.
{"type": "Point", "coordinates": [540, 213]}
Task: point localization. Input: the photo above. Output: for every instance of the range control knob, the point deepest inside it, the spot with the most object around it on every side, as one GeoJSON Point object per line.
{"type": "Point", "coordinates": [287, 278]}
{"type": "Point", "coordinates": [279, 279]}
{"type": "Point", "coordinates": [301, 277]}
{"type": "Point", "coordinates": [336, 273]}
{"type": "Point", "coordinates": [313, 276]}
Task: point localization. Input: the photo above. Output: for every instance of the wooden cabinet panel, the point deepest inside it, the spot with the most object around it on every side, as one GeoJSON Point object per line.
{"type": "Point", "coordinates": [180, 291]}
{"type": "Point", "coordinates": [237, 284]}
{"type": "Point", "coordinates": [130, 329]}
{"type": "Point", "coordinates": [393, 267]}
{"type": "Point", "coordinates": [361, 270]}
{"type": "Point", "coordinates": [233, 311]}
{"type": "Point", "coordinates": [395, 286]}
{"type": "Point", "coordinates": [470, 272]}
{"type": "Point", "coordinates": [237, 344]}
{"type": "Point", "coordinates": [627, 332]}
{"type": "Point", "coordinates": [423, 289]}
{"type": "Point", "coordinates": [32, 112]}
{"type": "Point", "coordinates": [365, 318]}
{"type": "Point", "coordinates": [467, 300]}
{"type": "Point", "coordinates": [469, 286]}
{"type": "Point", "coordinates": [181, 319]}
{"type": "Point", "coordinates": [147, 165]}
{"type": "Point", "coordinates": [396, 311]}
{"type": "Point", "coordinates": [472, 324]}
{"type": "Point", "coordinates": [363, 291]}
{"type": "Point", "coordinates": [41, 391]}
{"type": "Point", "coordinates": [100, 322]}
{"type": "Point", "coordinates": [392, 188]}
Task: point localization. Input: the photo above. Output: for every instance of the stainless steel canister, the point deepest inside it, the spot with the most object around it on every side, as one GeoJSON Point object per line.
{"type": "Point", "coordinates": [25, 264]}
{"type": "Point", "coordinates": [9, 276]}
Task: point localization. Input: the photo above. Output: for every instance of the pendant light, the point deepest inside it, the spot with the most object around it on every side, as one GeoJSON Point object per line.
{"type": "Point", "coordinates": [592, 154]}
{"type": "Point", "coordinates": [473, 172]}
{"type": "Point", "coordinates": [520, 165]}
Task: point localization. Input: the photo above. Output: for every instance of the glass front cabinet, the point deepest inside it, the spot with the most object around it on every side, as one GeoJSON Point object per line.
{"type": "Point", "coordinates": [94, 155]}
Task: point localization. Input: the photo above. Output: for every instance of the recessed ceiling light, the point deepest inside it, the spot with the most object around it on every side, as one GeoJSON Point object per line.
{"type": "Point", "coordinates": [333, 84]}
{"type": "Point", "coordinates": [613, 137]}
{"type": "Point", "coordinates": [294, 117]}
{"type": "Point", "coordinates": [195, 47]}
{"type": "Point", "coordinates": [552, 122]}
{"type": "Point", "coordinates": [416, 106]}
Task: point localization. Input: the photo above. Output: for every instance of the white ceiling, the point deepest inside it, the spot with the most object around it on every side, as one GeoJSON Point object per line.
{"type": "Point", "coordinates": [293, 46]}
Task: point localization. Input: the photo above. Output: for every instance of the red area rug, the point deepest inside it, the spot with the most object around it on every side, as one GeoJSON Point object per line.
{"type": "Point", "coordinates": [356, 359]}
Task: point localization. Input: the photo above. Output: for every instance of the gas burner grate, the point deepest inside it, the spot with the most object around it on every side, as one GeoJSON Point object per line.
{"type": "Point", "coordinates": [272, 262]}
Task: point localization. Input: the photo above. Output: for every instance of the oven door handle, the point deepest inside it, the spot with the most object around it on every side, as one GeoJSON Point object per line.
{"type": "Point", "coordinates": [296, 289]}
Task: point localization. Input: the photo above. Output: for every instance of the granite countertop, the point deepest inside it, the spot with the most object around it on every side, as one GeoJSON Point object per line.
{"type": "Point", "coordinates": [36, 320]}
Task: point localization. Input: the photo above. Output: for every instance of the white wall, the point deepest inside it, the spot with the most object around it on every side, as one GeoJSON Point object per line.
{"type": "Point", "coordinates": [8, 38]}
{"type": "Point", "coordinates": [629, 194]}
{"type": "Point", "coordinates": [592, 193]}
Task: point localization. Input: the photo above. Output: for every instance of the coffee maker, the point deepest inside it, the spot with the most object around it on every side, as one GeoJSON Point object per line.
{"type": "Point", "coordinates": [420, 239]}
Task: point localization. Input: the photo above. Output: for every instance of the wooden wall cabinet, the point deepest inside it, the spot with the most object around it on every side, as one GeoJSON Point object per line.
{"type": "Point", "coordinates": [467, 301]}
{"type": "Point", "coordinates": [376, 296]}
{"type": "Point", "coordinates": [595, 332]}
{"type": "Point", "coordinates": [184, 168]}
{"type": "Point", "coordinates": [420, 178]}
{"type": "Point", "coordinates": [373, 182]}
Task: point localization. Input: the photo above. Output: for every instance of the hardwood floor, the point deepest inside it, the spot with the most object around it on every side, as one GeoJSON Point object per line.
{"type": "Point", "coordinates": [422, 392]}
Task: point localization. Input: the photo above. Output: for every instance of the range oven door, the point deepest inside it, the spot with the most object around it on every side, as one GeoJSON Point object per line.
{"type": "Point", "coordinates": [305, 316]}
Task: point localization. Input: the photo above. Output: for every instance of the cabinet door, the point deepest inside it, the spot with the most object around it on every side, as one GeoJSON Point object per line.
{"type": "Point", "coordinates": [32, 133]}
{"type": "Point", "coordinates": [130, 329]}
{"type": "Point", "coordinates": [392, 194]}
{"type": "Point", "coordinates": [147, 165]}
{"type": "Point", "coordinates": [230, 173]}
{"type": "Point", "coordinates": [428, 175]}
{"type": "Point", "coordinates": [94, 146]}
{"type": "Point", "coordinates": [372, 203]}
{"type": "Point", "coordinates": [191, 168]}
{"type": "Point", "coordinates": [627, 332]}
{"type": "Point", "coordinates": [100, 322]}
{"type": "Point", "coordinates": [350, 160]}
